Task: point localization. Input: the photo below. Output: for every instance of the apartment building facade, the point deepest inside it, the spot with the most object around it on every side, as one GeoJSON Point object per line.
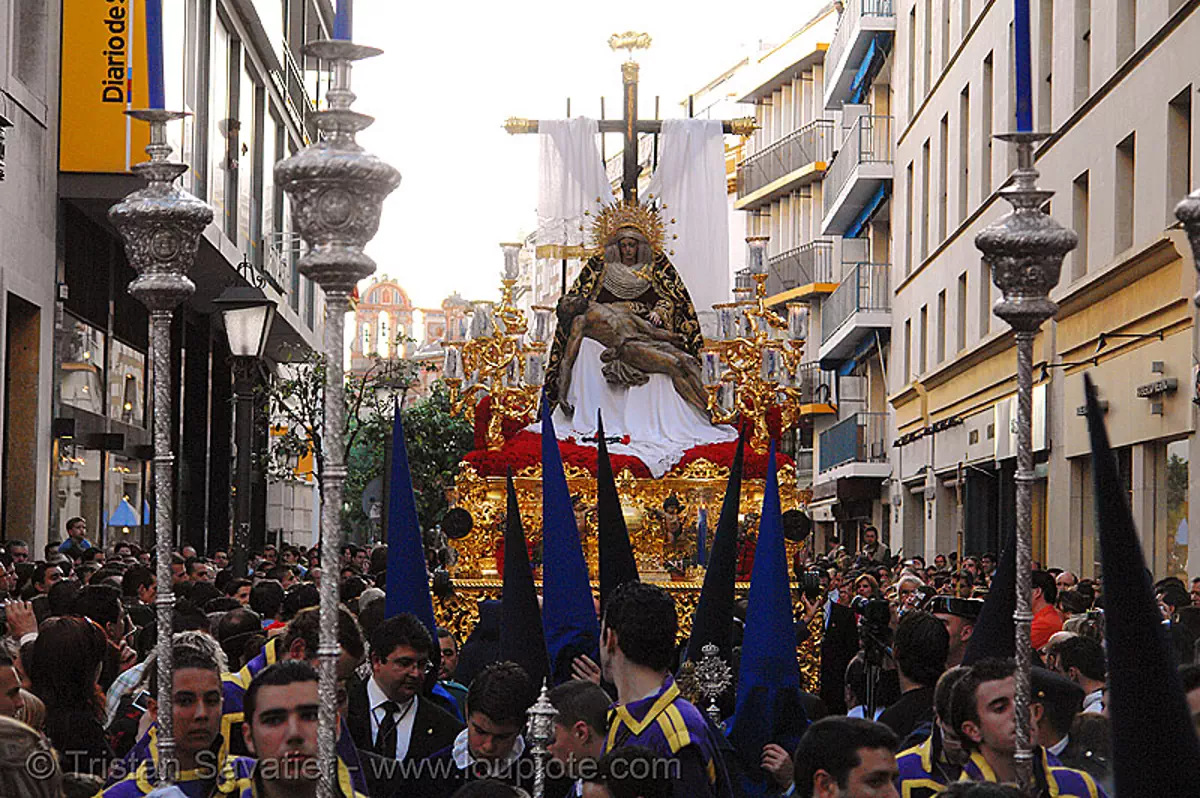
{"type": "Point", "coordinates": [1113, 87]}
{"type": "Point", "coordinates": [817, 180]}
{"type": "Point", "coordinates": [29, 47]}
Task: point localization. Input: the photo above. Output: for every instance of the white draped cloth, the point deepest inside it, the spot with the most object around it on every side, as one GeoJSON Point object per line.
{"type": "Point", "coordinates": [661, 426]}
{"type": "Point", "coordinates": [690, 179]}
{"type": "Point", "coordinates": [570, 180]}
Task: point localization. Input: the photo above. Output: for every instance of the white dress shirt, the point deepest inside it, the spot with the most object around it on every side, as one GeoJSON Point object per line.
{"type": "Point", "coordinates": [1094, 702]}
{"type": "Point", "coordinates": [461, 752]}
{"type": "Point", "coordinates": [1059, 746]}
{"type": "Point", "coordinates": [405, 717]}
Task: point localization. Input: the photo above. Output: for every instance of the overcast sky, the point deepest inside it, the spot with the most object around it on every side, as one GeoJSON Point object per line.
{"type": "Point", "coordinates": [453, 71]}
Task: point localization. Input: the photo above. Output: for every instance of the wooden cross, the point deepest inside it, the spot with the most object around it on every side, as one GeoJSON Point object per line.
{"type": "Point", "coordinates": [630, 126]}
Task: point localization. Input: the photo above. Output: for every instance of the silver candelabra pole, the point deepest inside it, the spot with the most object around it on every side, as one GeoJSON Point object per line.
{"type": "Point", "coordinates": [337, 192]}
{"type": "Point", "coordinates": [713, 677]}
{"type": "Point", "coordinates": [161, 225]}
{"type": "Point", "coordinates": [541, 733]}
{"type": "Point", "coordinates": [1025, 250]}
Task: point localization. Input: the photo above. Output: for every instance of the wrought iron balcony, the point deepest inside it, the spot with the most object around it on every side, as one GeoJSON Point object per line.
{"type": "Point", "coordinates": [808, 265]}
{"type": "Point", "coordinates": [864, 24]}
{"type": "Point", "coordinates": [816, 387]}
{"type": "Point", "coordinates": [742, 281]}
{"type": "Point", "coordinates": [861, 438]}
{"type": "Point", "coordinates": [861, 305]}
{"type": "Point", "coordinates": [861, 173]}
{"type": "Point", "coordinates": [797, 159]}
{"type": "Point", "coordinates": [302, 84]}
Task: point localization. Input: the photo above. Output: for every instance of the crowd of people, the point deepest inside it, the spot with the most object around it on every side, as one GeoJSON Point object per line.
{"type": "Point", "coordinates": [901, 708]}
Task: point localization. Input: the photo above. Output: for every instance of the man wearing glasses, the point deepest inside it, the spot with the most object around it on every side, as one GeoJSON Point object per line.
{"type": "Point", "coordinates": [388, 715]}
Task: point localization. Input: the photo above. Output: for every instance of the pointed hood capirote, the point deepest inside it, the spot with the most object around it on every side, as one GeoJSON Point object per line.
{"type": "Point", "coordinates": [769, 708]}
{"type": "Point", "coordinates": [521, 637]}
{"type": "Point", "coordinates": [568, 610]}
{"type": "Point", "coordinates": [1154, 744]}
{"type": "Point", "coordinates": [995, 632]}
{"type": "Point", "coordinates": [713, 620]}
{"type": "Point", "coordinates": [617, 564]}
{"type": "Point", "coordinates": [407, 577]}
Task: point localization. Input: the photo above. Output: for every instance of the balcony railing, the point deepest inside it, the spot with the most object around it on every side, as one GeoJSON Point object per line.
{"type": "Point", "coordinates": [861, 438]}
{"type": "Point", "coordinates": [742, 280]}
{"type": "Point", "coordinates": [868, 140]}
{"type": "Point", "coordinates": [815, 384]}
{"type": "Point", "coordinates": [866, 288]}
{"type": "Point", "coordinates": [804, 265]}
{"type": "Point", "coordinates": [811, 144]}
{"type": "Point", "coordinates": [283, 249]}
{"type": "Point", "coordinates": [849, 23]}
{"type": "Point", "coordinates": [804, 467]}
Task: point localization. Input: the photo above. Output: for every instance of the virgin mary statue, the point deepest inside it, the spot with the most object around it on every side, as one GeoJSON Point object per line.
{"type": "Point", "coordinates": [628, 344]}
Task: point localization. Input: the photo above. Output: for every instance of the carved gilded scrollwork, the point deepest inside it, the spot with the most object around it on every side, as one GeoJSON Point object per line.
{"type": "Point", "coordinates": [515, 125]}
{"type": "Point", "coordinates": [629, 40]}
{"type": "Point", "coordinates": [809, 652]}
{"type": "Point", "coordinates": [700, 483]}
{"type": "Point", "coordinates": [460, 612]}
{"type": "Point", "coordinates": [702, 470]}
{"type": "Point", "coordinates": [501, 365]}
{"type": "Point", "coordinates": [743, 126]}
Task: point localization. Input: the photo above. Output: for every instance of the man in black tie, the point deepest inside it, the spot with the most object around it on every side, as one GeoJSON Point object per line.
{"type": "Point", "coordinates": [387, 714]}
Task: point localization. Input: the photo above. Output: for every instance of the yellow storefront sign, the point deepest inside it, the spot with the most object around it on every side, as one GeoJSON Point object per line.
{"type": "Point", "coordinates": [103, 75]}
{"type": "Point", "coordinates": [305, 464]}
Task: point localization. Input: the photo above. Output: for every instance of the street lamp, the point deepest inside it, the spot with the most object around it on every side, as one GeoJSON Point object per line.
{"type": "Point", "coordinates": [1025, 250]}
{"type": "Point", "coordinates": [247, 314]}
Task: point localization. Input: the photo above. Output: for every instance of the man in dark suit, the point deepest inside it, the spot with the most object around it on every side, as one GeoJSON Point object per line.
{"type": "Point", "coordinates": [839, 644]}
{"type": "Point", "coordinates": [388, 717]}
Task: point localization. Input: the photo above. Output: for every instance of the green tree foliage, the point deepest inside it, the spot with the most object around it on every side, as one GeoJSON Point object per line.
{"type": "Point", "coordinates": [436, 441]}
{"type": "Point", "coordinates": [293, 400]}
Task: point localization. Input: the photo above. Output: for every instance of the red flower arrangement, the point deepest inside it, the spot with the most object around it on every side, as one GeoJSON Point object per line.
{"type": "Point", "coordinates": [509, 427]}
{"type": "Point", "coordinates": [525, 449]}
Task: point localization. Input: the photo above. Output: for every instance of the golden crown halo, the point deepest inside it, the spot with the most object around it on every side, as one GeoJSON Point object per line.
{"type": "Point", "coordinates": [628, 215]}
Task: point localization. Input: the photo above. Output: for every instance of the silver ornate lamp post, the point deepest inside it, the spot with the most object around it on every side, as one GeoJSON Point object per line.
{"type": "Point", "coordinates": [1025, 250]}
{"type": "Point", "coordinates": [540, 733]}
{"type": "Point", "coordinates": [337, 192]}
{"type": "Point", "coordinates": [161, 225]}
